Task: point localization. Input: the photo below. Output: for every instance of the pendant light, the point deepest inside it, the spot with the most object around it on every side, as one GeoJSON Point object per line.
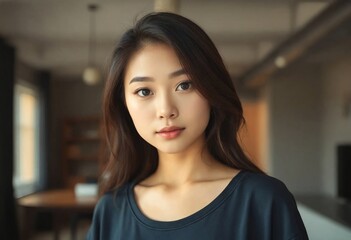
{"type": "Point", "coordinates": [91, 74]}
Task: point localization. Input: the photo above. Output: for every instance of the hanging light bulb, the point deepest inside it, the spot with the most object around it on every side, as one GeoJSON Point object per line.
{"type": "Point", "coordinates": [91, 74]}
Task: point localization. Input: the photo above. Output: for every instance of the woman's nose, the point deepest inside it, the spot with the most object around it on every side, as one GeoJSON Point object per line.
{"type": "Point", "coordinates": [166, 107]}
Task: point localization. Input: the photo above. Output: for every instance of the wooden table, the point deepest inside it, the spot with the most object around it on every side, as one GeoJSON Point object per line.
{"type": "Point", "coordinates": [58, 202]}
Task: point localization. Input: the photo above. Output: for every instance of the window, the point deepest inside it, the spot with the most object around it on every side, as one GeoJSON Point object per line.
{"type": "Point", "coordinates": [26, 140]}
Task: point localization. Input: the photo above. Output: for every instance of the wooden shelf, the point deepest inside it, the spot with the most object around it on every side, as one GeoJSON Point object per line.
{"type": "Point", "coordinates": [81, 143]}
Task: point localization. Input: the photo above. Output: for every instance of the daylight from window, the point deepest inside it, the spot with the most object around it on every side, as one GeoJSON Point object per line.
{"type": "Point", "coordinates": [26, 140]}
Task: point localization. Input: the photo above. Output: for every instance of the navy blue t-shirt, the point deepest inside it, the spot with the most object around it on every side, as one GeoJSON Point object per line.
{"type": "Point", "coordinates": [252, 206]}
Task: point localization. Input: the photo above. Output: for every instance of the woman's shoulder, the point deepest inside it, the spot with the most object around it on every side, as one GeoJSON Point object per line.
{"type": "Point", "coordinates": [263, 186]}
{"type": "Point", "coordinates": [108, 212]}
{"type": "Point", "coordinates": [112, 199]}
{"type": "Point", "coordinates": [269, 198]}
{"type": "Point", "coordinates": [268, 201]}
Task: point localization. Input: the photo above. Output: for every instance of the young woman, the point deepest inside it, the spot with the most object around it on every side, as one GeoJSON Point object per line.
{"type": "Point", "coordinates": [176, 169]}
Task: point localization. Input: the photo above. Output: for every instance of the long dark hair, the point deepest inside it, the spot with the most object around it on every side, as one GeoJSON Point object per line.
{"type": "Point", "coordinates": [133, 159]}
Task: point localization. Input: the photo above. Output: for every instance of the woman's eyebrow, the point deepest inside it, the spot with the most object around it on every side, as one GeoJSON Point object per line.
{"type": "Point", "coordinates": [177, 73]}
{"type": "Point", "coordinates": [140, 79]}
{"type": "Point", "coordinates": [149, 79]}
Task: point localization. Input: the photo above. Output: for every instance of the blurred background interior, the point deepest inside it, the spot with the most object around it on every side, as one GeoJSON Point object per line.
{"type": "Point", "coordinates": [289, 59]}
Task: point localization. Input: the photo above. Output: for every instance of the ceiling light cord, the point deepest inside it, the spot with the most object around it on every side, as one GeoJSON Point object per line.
{"type": "Point", "coordinates": [92, 37]}
{"type": "Point", "coordinates": [91, 74]}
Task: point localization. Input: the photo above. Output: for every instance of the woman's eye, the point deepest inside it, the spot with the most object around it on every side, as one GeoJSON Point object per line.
{"type": "Point", "coordinates": [184, 86]}
{"type": "Point", "coordinates": [143, 92]}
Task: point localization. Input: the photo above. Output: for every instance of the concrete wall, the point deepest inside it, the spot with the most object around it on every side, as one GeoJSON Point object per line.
{"type": "Point", "coordinates": [308, 119]}
{"type": "Point", "coordinates": [336, 124]}
{"type": "Point", "coordinates": [73, 98]}
{"type": "Point", "coordinates": [295, 136]}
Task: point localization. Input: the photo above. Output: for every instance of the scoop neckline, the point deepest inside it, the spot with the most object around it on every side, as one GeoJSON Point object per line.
{"type": "Point", "coordinates": [183, 222]}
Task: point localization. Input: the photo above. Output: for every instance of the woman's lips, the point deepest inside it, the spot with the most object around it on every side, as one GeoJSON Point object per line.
{"type": "Point", "coordinates": [170, 132]}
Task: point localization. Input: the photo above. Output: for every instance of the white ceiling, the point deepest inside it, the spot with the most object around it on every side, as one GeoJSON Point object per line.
{"type": "Point", "coordinates": [54, 34]}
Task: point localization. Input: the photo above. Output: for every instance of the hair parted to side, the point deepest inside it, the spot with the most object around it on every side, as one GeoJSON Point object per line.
{"type": "Point", "coordinates": [133, 159]}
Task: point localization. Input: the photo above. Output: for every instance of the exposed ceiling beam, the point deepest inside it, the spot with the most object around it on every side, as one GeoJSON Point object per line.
{"type": "Point", "coordinates": [296, 46]}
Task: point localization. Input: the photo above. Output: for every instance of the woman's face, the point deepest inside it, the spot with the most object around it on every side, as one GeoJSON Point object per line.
{"type": "Point", "coordinates": [166, 110]}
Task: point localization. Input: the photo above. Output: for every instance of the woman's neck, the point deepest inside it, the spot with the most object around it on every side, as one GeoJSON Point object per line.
{"type": "Point", "coordinates": [175, 170]}
{"type": "Point", "coordinates": [182, 168]}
